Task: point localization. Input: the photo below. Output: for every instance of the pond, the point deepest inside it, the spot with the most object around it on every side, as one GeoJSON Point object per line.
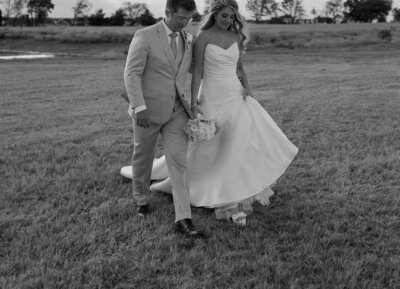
{"type": "Point", "coordinates": [11, 54]}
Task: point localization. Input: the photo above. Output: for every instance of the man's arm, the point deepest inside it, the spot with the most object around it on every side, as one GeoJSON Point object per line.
{"type": "Point", "coordinates": [136, 62]}
{"type": "Point", "coordinates": [130, 109]}
{"type": "Point", "coordinates": [135, 65]}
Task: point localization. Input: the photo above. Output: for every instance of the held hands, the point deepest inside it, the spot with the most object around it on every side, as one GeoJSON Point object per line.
{"type": "Point", "coordinates": [196, 110]}
{"type": "Point", "coordinates": [142, 119]}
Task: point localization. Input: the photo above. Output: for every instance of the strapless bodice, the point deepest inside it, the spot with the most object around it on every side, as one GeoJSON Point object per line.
{"type": "Point", "coordinates": [219, 62]}
{"type": "Point", "coordinates": [220, 85]}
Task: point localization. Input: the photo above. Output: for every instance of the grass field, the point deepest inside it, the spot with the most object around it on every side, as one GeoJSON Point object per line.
{"type": "Point", "coordinates": [67, 218]}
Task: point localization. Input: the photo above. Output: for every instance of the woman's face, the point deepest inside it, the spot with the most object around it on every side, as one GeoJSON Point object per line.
{"type": "Point", "coordinates": [225, 18]}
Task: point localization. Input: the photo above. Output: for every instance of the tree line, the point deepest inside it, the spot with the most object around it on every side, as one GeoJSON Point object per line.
{"type": "Point", "coordinates": [36, 12]}
{"type": "Point", "coordinates": [128, 14]}
{"type": "Point", "coordinates": [333, 11]}
{"type": "Point", "coordinates": [33, 12]}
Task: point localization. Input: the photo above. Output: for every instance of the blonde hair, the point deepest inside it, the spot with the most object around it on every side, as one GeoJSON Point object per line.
{"type": "Point", "coordinates": [239, 24]}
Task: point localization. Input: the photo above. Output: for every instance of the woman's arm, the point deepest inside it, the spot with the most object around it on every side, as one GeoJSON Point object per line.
{"type": "Point", "coordinates": [198, 64]}
{"type": "Point", "coordinates": [242, 74]}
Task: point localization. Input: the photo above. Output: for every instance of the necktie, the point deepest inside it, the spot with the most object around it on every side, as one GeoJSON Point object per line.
{"type": "Point", "coordinates": [174, 47]}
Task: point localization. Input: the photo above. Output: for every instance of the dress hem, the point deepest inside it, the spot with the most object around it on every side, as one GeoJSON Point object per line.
{"type": "Point", "coordinates": [250, 196]}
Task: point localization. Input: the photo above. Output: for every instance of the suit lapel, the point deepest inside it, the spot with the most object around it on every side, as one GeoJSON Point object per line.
{"type": "Point", "coordinates": [184, 40]}
{"type": "Point", "coordinates": [162, 35]}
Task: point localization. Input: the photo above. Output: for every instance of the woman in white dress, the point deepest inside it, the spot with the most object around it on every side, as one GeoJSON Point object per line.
{"type": "Point", "coordinates": [249, 152]}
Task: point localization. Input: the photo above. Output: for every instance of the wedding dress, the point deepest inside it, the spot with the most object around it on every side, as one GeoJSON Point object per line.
{"type": "Point", "coordinates": [248, 153]}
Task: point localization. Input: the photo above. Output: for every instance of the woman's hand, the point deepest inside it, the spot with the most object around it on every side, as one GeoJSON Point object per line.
{"type": "Point", "coordinates": [246, 93]}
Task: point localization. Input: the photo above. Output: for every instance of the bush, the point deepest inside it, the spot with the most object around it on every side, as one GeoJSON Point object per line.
{"type": "Point", "coordinates": [13, 34]}
{"type": "Point", "coordinates": [385, 34]}
{"type": "Point", "coordinates": [256, 39]}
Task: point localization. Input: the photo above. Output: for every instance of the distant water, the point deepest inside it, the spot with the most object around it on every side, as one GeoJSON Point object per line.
{"type": "Point", "coordinates": [10, 55]}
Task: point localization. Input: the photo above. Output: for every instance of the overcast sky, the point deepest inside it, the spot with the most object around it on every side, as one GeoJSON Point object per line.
{"type": "Point", "coordinates": [63, 8]}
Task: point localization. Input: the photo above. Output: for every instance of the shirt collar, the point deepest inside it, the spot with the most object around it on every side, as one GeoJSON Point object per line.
{"type": "Point", "coordinates": [168, 30]}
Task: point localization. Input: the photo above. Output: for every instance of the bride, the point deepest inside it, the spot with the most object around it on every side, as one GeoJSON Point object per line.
{"type": "Point", "coordinates": [249, 152]}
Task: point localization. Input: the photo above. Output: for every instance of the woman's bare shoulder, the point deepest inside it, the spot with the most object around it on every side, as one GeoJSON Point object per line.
{"type": "Point", "coordinates": [203, 35]}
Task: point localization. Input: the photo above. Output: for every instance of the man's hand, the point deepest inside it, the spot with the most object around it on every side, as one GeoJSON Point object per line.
{"type": "Point", "coordinates": [196, 110]}
{"type": "Point", "coordinates": [130, 111]}
{"type": "Point", "coordinates": [142, 119]}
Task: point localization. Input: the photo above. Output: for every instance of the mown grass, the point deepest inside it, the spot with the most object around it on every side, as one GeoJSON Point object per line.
{"type": "Point", "coordinates": [67, 218]}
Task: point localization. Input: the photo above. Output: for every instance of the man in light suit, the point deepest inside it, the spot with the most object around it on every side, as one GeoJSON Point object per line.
{"type": "Point", "coordinates": [156, 68]}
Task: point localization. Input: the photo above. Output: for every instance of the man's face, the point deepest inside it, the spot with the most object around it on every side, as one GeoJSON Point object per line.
{"type": "Point", "coordinates": [176, 21]}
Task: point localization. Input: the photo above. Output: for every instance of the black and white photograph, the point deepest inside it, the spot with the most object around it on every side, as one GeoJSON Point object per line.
{"type": "Point", "coordinates": [200, 144]}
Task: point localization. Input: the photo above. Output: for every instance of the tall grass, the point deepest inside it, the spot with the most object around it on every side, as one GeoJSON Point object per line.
{"type": "Point", "coordinates": [308, 35]}
{"type": "Point", "coordinates": [321, 39]}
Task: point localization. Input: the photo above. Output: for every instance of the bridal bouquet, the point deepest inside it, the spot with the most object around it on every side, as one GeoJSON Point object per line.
{"type": "Point", "coordinates": [200, 129]}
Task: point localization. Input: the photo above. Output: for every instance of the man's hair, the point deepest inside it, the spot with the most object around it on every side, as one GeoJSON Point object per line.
{"type": "Point", "coordinates": [174, 5]}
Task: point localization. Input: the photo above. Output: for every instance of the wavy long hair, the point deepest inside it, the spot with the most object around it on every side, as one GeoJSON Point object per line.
{"type": "Point", "coordinates": [239, 24]}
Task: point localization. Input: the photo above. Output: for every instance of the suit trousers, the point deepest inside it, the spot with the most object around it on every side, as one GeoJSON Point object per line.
{"type": "Point", "coordinates": [175, 143]}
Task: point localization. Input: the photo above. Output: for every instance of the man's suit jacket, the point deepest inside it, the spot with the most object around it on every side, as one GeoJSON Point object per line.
{"type": "Point", "coordinates": [152, 76]}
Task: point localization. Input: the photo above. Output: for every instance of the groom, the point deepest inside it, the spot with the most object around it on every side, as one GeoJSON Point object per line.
{"type": "Point", "coordinates": [156, 68]}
